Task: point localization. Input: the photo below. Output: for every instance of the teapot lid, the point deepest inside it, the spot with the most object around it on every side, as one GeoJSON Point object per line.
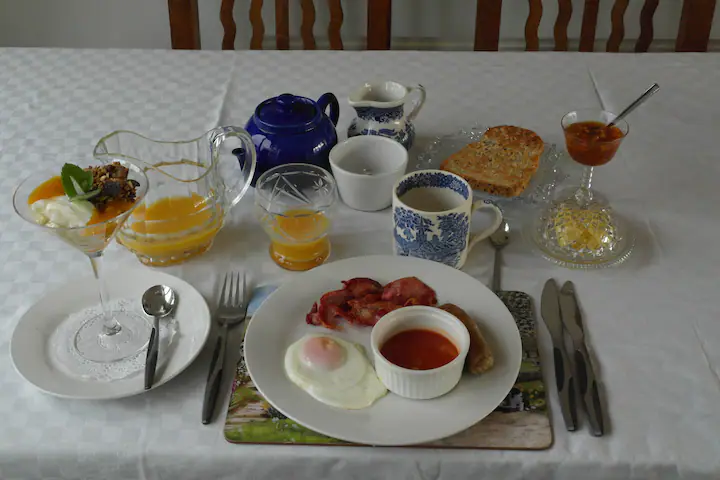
{"type": "Point", "coordinates": [287, 112]}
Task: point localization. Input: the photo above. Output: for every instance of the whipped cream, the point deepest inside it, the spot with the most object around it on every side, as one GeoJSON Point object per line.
{"type": "Point", "coordinates": [60, 212]}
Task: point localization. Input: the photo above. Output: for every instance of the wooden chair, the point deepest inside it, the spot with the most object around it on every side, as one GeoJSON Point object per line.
{"type": "Point", "coordinates": [693, 31]}
{"type": "Point", "coordinates": [185, 29]}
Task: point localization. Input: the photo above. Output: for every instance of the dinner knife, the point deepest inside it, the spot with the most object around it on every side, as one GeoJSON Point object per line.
{"type": "Point", "coordinates": [584, 371]}
{"type": "Point", "coordinates": [550, 309]}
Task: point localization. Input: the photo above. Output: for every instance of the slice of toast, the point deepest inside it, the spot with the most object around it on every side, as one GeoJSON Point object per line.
{"type": "Point", "coordinates": [501, 163]}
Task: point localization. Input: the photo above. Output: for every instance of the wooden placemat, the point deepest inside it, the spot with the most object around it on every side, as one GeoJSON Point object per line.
{"type": "Point", "coordinates": [520, 422]}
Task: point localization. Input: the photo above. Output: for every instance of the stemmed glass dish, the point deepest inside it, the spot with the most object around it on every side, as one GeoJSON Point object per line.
{"type": "Point", "coordinates": [590, 142]}
{"type": "Point", "coordinates": [580, 230]}
{"type": "Point", "coordinates": [110, 335]}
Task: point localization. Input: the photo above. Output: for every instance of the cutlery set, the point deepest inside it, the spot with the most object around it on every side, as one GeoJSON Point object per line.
{"type": "Point", "coordinates": [159, 302]}
{"type": "Point", "coordinates": [576, 380]}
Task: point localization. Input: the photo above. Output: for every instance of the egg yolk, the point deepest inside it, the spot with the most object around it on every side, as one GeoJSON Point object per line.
{"type": "Point", "coordinates": [323, 353]}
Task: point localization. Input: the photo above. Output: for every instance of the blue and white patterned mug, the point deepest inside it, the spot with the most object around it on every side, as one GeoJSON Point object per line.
{"type": "Point", "coordinates": [431, 217]}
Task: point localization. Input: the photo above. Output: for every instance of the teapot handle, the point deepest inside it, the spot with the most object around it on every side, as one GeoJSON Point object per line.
{"type": "Point", "coordinates": [420, 90]}
{"type": "Point", "coordinates": [234, 190]}
{"type": "Point", "coordinates": [328, 99]}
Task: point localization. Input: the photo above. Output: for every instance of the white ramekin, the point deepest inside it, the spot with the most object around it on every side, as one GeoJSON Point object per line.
{"type": "Point", "coordinates": [419, 384]}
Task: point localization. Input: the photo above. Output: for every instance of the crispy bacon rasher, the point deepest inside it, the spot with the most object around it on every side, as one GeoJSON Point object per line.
{"type": "Point", "coordinates": [409, 291]}
{"type": "Point", "coordinates": [363, 301]}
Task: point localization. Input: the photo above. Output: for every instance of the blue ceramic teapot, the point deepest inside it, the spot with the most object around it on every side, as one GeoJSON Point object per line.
{"type": "Point", "coordinates": [292, 129]}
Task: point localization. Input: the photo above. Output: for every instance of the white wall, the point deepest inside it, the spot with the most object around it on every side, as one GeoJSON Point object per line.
{"type": "Point", "coordinates": [420, 24]}
{"type": "Point", "coordinates": [84, 23]}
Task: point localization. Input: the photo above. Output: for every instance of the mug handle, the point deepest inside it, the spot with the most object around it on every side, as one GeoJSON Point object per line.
{"type": "Point", "coordinates": [485, 205]}
{"type": "Point", "coordinates": [328, 99]}
{"type": "Point", "coordinates": [420, 91]}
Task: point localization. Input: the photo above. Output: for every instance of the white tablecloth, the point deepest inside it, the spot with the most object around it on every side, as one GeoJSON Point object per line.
{"type": "Point", "coordinates": [654, 322]}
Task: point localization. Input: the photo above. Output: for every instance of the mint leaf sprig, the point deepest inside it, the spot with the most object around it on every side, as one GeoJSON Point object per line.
{"type": "Point", "coordinates": [77, 183]}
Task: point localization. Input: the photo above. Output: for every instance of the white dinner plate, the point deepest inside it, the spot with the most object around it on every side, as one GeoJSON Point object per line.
{"type": "Point", "coordinates": [29, 344]}
{"type": "Point", "coordinates": [392, 420]}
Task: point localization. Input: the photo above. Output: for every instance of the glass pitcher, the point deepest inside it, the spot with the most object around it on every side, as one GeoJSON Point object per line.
{"type": "Point", "coordinates": [193, 186]}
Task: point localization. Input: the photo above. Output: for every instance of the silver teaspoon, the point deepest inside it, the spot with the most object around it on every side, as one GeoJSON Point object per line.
{"type": "Point", "coordinates": [499, 239]}
{"type": "Point", "coordinates": [640, 100]}
{"type": "Point", "coordinates": [158, 301]}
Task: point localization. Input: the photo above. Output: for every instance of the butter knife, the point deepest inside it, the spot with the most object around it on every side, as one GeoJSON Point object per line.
{"type": "Point", "coordinates": [584, 371]}
{"type": "Point", "coordinates": [550, 309]}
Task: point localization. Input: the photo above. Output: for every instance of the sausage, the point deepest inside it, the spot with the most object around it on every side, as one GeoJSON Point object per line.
{"type": "Point", "coordinates": [479, 358]}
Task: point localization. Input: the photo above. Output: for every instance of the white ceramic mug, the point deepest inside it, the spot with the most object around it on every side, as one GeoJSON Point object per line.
{"type": "Point", "coordinates": [366, 169]}
{"type": "Point", "coordinates": [431, 217]}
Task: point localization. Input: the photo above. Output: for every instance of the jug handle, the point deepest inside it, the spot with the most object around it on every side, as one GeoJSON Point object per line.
{"type": "Point", "coordinates": [328, 99]}
{"type": "Point", "coordinates": [217, 137]}
{"type": "Point", "coordinates": [420, 90]}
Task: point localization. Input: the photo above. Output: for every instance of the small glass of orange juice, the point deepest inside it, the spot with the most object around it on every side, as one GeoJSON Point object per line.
{"type": "Point", "coordinates": [293, 203]}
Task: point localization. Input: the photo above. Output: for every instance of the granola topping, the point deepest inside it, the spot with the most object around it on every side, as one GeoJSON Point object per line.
{"type": "Point", "coordinates": [113, 182]}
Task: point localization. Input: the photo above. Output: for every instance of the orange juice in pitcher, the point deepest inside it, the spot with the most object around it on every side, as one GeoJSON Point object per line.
{"type": "Point", "coordinates": [193, 185]}
{"type": "Point", "coordinates": [172, 228]}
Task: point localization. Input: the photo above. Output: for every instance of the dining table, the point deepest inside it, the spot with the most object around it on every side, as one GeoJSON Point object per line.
{"type": "Point", "coordinates": [653, 321]}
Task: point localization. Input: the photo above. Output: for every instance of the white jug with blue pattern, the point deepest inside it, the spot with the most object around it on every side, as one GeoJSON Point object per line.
{"type": "Point", "coordinates": [380, 110]}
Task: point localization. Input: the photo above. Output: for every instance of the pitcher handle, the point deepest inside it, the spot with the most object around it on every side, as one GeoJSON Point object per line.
{"type": "Point", "coordinates": [418, 104]}
{"type": "Point", "coordinates": [234, 191]}
{"type": "Point", "coordinates": [328, 99]}
{"type": "Point", "coordinates": [481, 205]}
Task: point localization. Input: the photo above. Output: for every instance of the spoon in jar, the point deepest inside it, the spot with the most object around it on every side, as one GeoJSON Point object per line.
{"type": "Point", "coordinates": [640, 100]}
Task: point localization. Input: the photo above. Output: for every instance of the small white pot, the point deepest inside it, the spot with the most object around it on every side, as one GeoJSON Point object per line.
{"type": "Point", "coordinates": [366, 169]}
{"type": "Point", "coordinates": [419, 384]}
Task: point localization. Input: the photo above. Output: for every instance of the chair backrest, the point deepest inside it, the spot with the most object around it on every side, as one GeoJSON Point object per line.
{"type": "Point", "coordinates": [693, 30]}
{"type": "Point", "coordinates": [185, 31]}
{"type": "Point", "coordinates": [184, 24]}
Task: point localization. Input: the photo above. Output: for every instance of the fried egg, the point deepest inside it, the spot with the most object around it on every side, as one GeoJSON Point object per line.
{"type": "Point", "coordinates": [333, 371]}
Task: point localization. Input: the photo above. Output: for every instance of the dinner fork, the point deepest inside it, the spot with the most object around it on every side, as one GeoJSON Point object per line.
{"type": "Point", "coordinates": [231, 311]}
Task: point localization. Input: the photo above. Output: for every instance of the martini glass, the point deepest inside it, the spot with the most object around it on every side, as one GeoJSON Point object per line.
{"type": "Point", "coordinates": [581, 230]}
{"type": "Point", "coordinates": [110, 335]}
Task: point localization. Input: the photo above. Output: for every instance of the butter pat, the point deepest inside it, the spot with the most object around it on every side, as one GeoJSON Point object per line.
{"type": "Point", "coordinates": [584, 229]}
{"type": "Point", "coordinates": [60, 212]}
